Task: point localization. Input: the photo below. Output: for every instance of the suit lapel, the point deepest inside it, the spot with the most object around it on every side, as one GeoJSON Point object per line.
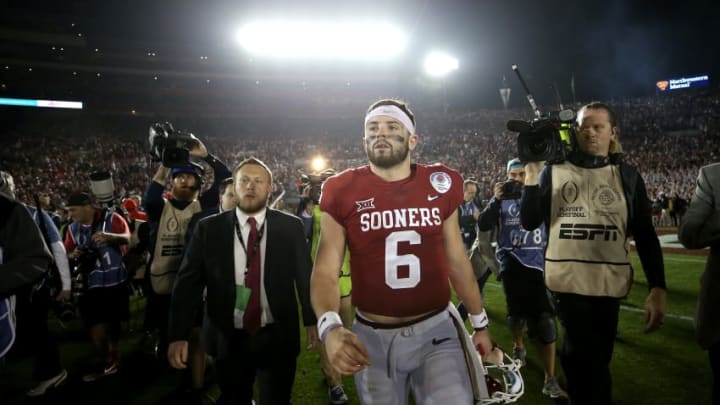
{"type": "Point", "coordinates": [226, 244]}
{"type": "Point", "coordinates": [270, 242]}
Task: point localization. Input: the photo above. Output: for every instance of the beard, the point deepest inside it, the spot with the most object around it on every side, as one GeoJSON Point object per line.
{"type": "Point", "coordinates": [184, 193]}
{"type": "Point", "coordinates": [252, 205]}
{"type": "Point", "coordinates": [387, 157]}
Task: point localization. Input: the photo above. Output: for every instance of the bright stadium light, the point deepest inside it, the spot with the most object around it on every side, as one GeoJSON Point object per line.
{"type": "Point", "coordinates": [322, 40]}
{"type": "Point", "coordinates": [439, 64]}
{"type": "Point", "coordinates": [318, 164]}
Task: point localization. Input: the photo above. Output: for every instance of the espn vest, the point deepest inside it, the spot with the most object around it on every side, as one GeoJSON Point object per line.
{"type": "Point", "coordinates": [109, 268]}
{"type": "Point", "coordinates": [525, 246]}
{"type": "Point", "coordinates": [169, 245]}
{"type": "Point", "coordinates": [588, 251]}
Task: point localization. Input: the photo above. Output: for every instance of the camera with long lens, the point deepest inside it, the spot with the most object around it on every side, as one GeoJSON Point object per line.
{"type": "Point", "coordinates": [546, 138]}
{"type": "Point", "coordinates": [102, 187]}
{"type": "Point", "coordinates": [171, 146]}
{"type": "Point", "coordinates": [81, 266]}
{"type": "Point", "coordinates": [315, 182]}
{"type": "Point", "coordinates": [512, 189]}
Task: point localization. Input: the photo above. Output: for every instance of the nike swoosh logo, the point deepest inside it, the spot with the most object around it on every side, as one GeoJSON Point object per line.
{"type": "Point", "coordinates": [322, 322]}
{"type": "Point", "coordinates": [433, 197]}
{"type": "Point", "coordinates": [436, 342]}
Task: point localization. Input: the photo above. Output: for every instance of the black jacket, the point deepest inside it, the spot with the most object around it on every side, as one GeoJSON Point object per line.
{"type": "Point", "coordinates": [209, 262]}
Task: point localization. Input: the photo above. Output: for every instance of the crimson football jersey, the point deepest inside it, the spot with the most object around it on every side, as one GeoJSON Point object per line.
{"type": "Point", "coordinates": [398, 264]}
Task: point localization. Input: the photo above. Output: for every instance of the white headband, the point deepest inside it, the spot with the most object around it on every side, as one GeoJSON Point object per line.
{"type": "Point", "coordinates": [393, 112]}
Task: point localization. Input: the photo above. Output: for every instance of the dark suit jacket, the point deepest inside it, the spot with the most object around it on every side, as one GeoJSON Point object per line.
{"type": "Point", "coordinates": [209, 262]}
{"type": "Point", "coordinates": [700, 228]}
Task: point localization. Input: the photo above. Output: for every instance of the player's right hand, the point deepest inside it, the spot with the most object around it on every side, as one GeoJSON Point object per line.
{"type": "Point", "coordinates": [345, 351]}
{"type": "Point", "coordinates": [177, 354]}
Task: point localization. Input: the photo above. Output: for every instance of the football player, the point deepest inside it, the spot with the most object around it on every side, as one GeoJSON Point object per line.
{"type": "Point", "coordinates": [399, 221]}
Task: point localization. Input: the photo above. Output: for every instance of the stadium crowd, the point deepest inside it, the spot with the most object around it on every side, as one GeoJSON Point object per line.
{"type": "Point", "coordinates": [668, 138]}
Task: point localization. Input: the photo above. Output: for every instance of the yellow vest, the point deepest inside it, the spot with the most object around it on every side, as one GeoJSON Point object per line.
{"type": "Point", "coordinates": [169, 245]}
{"type": "Point", "coordinates": [588, 251]}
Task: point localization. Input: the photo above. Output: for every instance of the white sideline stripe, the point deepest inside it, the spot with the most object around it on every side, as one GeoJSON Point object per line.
{"type": "Point", "coordinates": [624, 307]}
{"type": "Point", "coordinates": [673, 316]}
{"type": "Point", "coordinates": [675, 259]}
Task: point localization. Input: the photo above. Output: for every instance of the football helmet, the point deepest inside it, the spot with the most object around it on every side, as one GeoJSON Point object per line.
{"type": "Point", "coordinates": [502, 376]}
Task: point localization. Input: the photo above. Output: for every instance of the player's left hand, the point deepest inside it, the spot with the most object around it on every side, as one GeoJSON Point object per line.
{"type": "Point", "coordinates": [312, 337]}
{"type": "Point", "coordinates": [655, 309]}
{"type": "Point", "coordinates": [482, 341]}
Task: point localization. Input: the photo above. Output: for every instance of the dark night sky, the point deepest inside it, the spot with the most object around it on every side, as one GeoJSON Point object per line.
{"type": "Point", "coordinates": [613, 47]}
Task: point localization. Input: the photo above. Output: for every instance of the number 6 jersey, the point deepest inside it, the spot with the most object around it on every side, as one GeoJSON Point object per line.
{"type": "Point", "coordinates": [394, 232]}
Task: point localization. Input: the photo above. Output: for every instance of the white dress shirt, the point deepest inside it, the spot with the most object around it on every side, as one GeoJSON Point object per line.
{"type": "Point", "coordinates": [241, 263]}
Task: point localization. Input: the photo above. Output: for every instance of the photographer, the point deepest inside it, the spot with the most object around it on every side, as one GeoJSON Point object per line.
{"type": "Point", "coordinates": [96, 240]}
{"type": "Point", "coordinates": [592, 204]}
{"type": "Point", "coordinates": [520, 254]}
{"type": "Point", "coordinates": [169, 220]}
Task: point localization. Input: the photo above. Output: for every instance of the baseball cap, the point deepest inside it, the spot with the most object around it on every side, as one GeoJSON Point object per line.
{"type": "Point", "coordinates": [191, 168]}
{"type": "Point", "coordinates": [514, 164]}
{"type": "Point", "coordinates": [77, 199]}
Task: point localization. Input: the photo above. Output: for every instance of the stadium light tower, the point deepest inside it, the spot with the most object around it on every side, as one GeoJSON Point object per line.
{"type": "Point", "coordinates": [439, 64]}
{"type": "Point", "coordinates": [322, 40]}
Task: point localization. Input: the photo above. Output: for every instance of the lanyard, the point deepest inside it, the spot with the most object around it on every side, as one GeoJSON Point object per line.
{"type": "Point", "coordinates": [256, 246]}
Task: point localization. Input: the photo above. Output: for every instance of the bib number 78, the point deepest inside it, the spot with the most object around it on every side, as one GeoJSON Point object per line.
{"type": "Point", "coordinates": [393, 261]}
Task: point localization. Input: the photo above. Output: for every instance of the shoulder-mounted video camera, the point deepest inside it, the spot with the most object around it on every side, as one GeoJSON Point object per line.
{"type": "Point", "coordinates": [170, 146]}
{"type": "Point", "coordinates": [315, 182]}
{"type": "Point", "coordinates": [547, 137]}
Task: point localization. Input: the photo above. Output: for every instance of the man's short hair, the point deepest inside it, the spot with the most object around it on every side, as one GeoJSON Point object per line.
{"type": "Point", "coordinates": [252, 160]}
{"type": "Point", "coordinates": [473, 182]}
{"type": "Point", "coordinates": [225, 183]}
{"type": "Point", "coordinates": [78, 199]}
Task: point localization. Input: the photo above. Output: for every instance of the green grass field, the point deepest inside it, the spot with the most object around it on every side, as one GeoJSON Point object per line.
{"type": "Point", "coordinates": [666, 367]}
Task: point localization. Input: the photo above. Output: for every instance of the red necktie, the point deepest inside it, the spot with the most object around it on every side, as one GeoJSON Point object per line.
{"type": "Point", "coordinates": [251, 318]}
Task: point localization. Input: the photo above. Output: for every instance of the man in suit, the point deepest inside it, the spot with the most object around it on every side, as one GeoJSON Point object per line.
{"type": "Point", "coordinates": [700, 228]}
{"type": "Point", "coordinates": [252, 260]}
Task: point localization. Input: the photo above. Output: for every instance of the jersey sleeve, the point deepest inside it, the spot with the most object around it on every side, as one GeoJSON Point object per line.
{"type": "Point", "coordinates": [331, 198]}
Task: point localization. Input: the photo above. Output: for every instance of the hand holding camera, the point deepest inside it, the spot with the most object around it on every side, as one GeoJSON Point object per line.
{"type": "Point", "coordinates": [198, 149]}
{"type": "Point", "coordinates": [102, 237]}
{"type": "Point", "coordinates": [509, 190]}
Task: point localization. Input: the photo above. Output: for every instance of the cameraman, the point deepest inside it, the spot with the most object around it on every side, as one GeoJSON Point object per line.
{"type": "Point", "coordinates": [169, 220]}
{"type": "Point", "coordinates": [520, 254]}
{"type": "Point", "coordinates": [592, 204]}
{"type": "Point", "coordinates": [96, 239]}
